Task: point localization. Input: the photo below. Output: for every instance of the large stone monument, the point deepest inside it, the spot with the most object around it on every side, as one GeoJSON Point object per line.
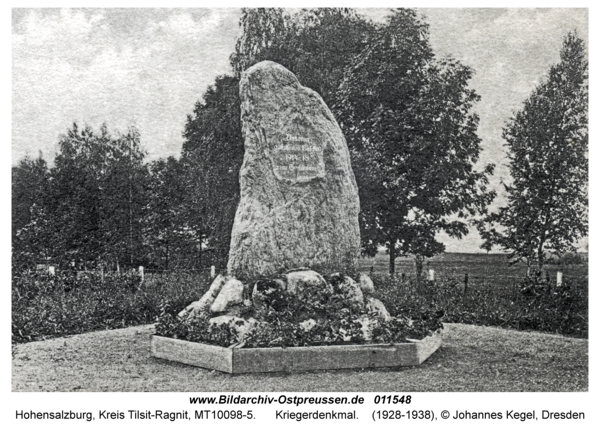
{"type": "Point", "coordinates": [294, 247]}
{"type": "Point", "coordinates": [299, 201]}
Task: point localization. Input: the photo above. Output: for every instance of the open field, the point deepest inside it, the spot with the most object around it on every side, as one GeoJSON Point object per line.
{"type": "Point", "coordinates": [471, 359]}
{"type": "Point", "coordinates": [483, 269]}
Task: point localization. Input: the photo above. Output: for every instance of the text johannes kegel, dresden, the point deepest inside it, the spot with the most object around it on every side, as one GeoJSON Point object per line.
{"type": "Point", "coordinates": [516, 415]}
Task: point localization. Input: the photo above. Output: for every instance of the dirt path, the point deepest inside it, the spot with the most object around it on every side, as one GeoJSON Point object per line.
{"type": "Point", "coordinates": [471, 359]}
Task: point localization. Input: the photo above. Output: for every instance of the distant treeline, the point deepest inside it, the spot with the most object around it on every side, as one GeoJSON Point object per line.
{"type": "Point", "coordinates": [102, 204]}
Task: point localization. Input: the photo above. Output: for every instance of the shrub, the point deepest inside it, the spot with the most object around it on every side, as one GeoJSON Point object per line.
{"type": "Point", "coordinates": [533, 304]}
{"type": "Point", "coordinates": [44, 307]}
{"type": "Point", "coordinates": [180, 328]}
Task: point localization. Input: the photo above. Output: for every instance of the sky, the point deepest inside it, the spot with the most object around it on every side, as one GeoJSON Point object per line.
{"type": "Point", "coordinates": [148, 67]}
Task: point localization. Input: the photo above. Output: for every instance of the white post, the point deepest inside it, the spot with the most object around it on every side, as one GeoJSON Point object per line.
{"type": "Point", "coordinates": [51, 270]}
{"type": "Point", "coordinates": [212, 271]}
{"type": "Point", "coordinates": [558, 279]}
{"type": "Point", "coordinates": [141, 270]}
{"type": "Point", "coordinates": [431, 275]}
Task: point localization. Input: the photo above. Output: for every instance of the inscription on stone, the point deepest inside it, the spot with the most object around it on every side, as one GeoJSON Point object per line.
{"type": "Point", "coordinates": [297, 159]}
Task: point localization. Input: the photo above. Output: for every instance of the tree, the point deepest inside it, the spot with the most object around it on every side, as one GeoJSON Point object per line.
{"type": "Point", "coordinates": [314, 44]}
{"type": "Point", "coordinates": [32, 235]}
{"type": "Point", "coordinates": [98, 196]}
{"type": "Point", "coordinates": [547, 142]}
{"type": "Point", "coordinates": [211, 159]}
{"type": "Point", "coordinates": [261, 39]}
{"type": "Point", "coordinates": [413, 141]}
{"type": "Point", "coordinates": [169, 240]}
{"type": "Point", "coordinates": [329, 47]}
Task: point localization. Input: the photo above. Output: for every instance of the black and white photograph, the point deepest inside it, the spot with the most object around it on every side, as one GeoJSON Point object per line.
{"type": "Point", "coordinates": [300, 214]}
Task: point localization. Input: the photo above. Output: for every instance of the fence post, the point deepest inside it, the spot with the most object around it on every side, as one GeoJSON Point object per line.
{"type": "Point", "coordinates": [212, 271]}
{"type": "Point", "coordinates": [559, 277]}
{"type": "Point", "coordinates": [466, 282]}
{"type": "Point", "coordinates": [431, 275]}
{"type": "Point", "coordinates": [141, 270]}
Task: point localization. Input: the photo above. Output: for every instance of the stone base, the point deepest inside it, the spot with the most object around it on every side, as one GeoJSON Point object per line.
{"type": "Point", "coordinates": [295, 359]}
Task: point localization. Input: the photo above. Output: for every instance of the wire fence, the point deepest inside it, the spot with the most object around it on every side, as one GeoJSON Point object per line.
{"type": "Point", "coordinates": [473, 272]}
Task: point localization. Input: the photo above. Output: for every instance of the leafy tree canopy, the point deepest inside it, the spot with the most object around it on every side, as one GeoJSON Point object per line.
{"type": "Point", "coordinates": [413, 139]}
{"type": "Point", "coordinates": [30, 187]}
{"type": "Point", "coordinates": [98, 195]}
{"type": "Point", "coordinates": [406, 116]}
{"type": "Point", "coordinates": [212, 156]}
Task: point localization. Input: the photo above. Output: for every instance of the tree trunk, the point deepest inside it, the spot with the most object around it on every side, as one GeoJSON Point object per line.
{"type": "Point", "coordinates": [419, 266]}
{"type": "Point", "coordinates": [540, 258]}
{"type": "Point", "coordinates": [392, 250]}
{"type": "Point", "coordinates": [130, 217]}
{"type": "Point", "coordinates": [167, 256]}
{"type": "Point", "coordinates": [200, 266]}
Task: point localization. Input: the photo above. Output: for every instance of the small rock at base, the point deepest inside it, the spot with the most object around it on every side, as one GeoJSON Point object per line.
{"type": "Point", "coordinates": [377, 307]}
{"type": "Point", "coordinates": [347, 286]}
{"type": "Point", "coordinates": [265, 293]}
{"type": "Point", "coordinates": [298, 281]}
{"type": "Point", "coordinates": [205, 302]}
{"type": "Point", "coordinates": [232, 293]}
{"type": "Point", "coordinates": [366, 284]}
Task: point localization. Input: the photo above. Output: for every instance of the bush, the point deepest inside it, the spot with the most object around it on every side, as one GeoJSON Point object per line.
{"type": "Point", "coordinates": [188, 329]}
{"type": "Point", "coordinates": [52, 306]}
{"type": "Point", "coordinates": [534, 304]}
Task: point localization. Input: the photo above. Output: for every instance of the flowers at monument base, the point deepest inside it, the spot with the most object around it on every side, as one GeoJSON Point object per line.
{"type": "Point", "coordinates": [314, 310]}
{"type": "Point", "coordinates": [240, 325]}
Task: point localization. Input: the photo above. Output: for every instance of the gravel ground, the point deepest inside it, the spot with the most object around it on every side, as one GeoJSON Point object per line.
{"type": "Point", "coordinates": [471, 359]}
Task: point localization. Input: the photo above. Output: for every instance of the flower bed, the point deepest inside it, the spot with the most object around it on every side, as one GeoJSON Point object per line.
{"type": "Point", "coordinates": [299, 320]}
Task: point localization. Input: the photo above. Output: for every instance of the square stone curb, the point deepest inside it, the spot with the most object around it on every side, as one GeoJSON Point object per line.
{"type": "Point", "coordinates": [295, 359]}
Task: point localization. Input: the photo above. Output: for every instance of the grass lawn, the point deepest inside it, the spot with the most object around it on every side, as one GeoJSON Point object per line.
{"type": "Point", "coordinates": [471, 359]}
